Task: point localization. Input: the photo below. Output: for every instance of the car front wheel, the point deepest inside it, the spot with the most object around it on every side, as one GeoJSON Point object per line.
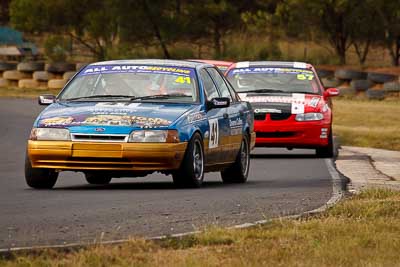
{"type": "Point", "coordinates": [328, 150]}
{"type": "Point", "coordinates": [39, 178]}
{"type": "Point", "coordinates": [239, 170]}
{"type": "Point", "coordinates": [191, 172]}
{"type": "Point", "coordinates": [94, 178]}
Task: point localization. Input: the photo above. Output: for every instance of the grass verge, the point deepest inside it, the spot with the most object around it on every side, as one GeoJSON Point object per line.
{"type": "Point", "coordinates": [361, 231]}
{"type": "Point", "coordinates": [367, 123]}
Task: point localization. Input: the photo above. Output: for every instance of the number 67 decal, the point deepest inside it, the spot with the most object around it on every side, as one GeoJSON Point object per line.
{"type": "Point", "coordinates": [214, 133]}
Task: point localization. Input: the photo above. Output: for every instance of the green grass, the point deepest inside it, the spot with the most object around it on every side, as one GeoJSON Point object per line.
{"type": "Point", "coordinates": [361, 231]}
{"type": "Point", "coordinates": [367, 123]}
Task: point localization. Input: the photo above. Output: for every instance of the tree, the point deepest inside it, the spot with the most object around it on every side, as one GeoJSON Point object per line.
{"type": "Point", "coordinates": [331, 19]}
{"type": "Point", "coordinates": [389, 15]}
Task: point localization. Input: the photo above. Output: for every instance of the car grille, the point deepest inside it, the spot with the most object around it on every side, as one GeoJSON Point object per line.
{"type": "Point", "coordinates": [272, 116]}
{"type": "Point", "coordinates": [279, 116]}
{"type": "Point", "coordinates": [100, 137]}
{"type": "Point", "coordinates": [275, 134]}
{"type": "Point", "coordinates": [260, 116]}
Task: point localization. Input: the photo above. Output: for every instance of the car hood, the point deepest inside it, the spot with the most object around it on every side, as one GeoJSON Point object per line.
{"type": "Point", "coordinates": [293, 103]}
{"type": "Point", "coordinates": [111, 114]}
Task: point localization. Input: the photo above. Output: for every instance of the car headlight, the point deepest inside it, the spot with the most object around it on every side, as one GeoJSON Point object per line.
{"type": "Point", "coordinates": [154, 136]}
{"type": "Point", "coordinates": [50, 134]}
{"type": "Point", "coordinates": [309, 117]}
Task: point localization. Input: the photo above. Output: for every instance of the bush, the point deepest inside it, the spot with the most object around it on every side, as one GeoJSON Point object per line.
{"type": "Point", "coordinates": [56, 48]}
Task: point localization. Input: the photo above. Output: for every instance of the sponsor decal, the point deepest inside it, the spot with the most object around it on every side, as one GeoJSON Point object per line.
{"type": "Point", "coordinates": [198, 116]}
{"type": "Point", "coordinates": [57, 121]}
{"type": "Point", "coordinates": [299, 65]}
{"type": "Point", "coordinates": [298, 103]}
{"type": "Point", "coordinates": [107, 119]}
{"type": "Point", "coordinates": [267, 110]}
{"type": "Point", "coordinates": [108, 69]}
{"type": "Point", "coordinates": [325, 108]}
{"type": "Point", "coordinates": [324, 133]}
{"type": "Point", "coordinates": [314, 102]}
{"type": "Point", "coordinates": [244, 64]}
{"type": "Point", "coordinates": [238, 123]}
{"type": "Point", "coordinates": [214, 133]}
{"type": "Point", "coordinates": [219, 103]}
{"type": "Point", "coordinates": [308, 74]}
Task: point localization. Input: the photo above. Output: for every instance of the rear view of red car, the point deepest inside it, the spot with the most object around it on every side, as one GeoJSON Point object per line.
{"type": "Point", "coordinates": [291, 107]}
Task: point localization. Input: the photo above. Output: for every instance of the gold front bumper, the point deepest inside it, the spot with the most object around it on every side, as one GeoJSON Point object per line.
{"type": "Point", "coordinates": [66, 155]}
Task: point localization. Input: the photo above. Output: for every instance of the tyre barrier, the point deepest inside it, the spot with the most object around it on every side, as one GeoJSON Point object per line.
{"type": "Point", "coordinates": [381, 77]}
{"type": "Point", "coordinates": [79, 66]}
{"type": "Point", "coordinates": [4, 83]}
{"type": "Point", "coordinates": [59, 67]}
{"type": "Point", "coordinates": [347, 91]}
{"type": "Point", "coordinates": [325, 73]}
{"type": "Point", "coordinates": [30, 66]}
{"type": "Point", "coordinates": [68, 75]}
{"type": "Point", "coordinates": [43, 76]}
{"type": "Point", "coordinates": [16, 75]}
{"type": "Point", "coordinates": [7, 66]}
{"type": "Point", "coordinates": [331, 82]}
{"type": "Point", "coordinates": [28, 83]}
{"type": "Point", "coordinates": [348, 75]}
{"type": "Point", "coordinates": [375, 94]}
{"type": "Point", "coordinates": [361, 85]}
{"type": "Point", "coordinates": [391, 87]}
{"type": "Point", "coordinates": [56, 84]}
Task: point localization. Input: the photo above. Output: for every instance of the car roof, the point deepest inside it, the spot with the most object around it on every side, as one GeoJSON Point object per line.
{"type": "Point", "coordinates": [213, 62]}
{"type": "Point", "coordinates": [286, 64]}
{"type": "Point", "coordinates": [160, 62]}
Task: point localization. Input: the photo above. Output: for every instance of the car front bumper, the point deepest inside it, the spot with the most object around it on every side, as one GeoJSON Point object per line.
{"type": "Point", "coordinates": [294, 134]}
{"type": "Point", "coordinates": [67, 155]}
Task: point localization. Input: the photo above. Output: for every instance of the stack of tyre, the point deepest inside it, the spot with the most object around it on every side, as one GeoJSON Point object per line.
{"type": "Point", "coordinates": [351, 82]}
{"type": "Point", "coordinates": [37, 75]}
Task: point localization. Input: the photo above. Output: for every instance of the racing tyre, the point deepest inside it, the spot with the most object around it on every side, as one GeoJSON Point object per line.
{"type": "Point", "coordinates": [328, 150]}
{"type": "Point", "coordinates": [96, 178]}
{"type": "Point", "coordinates": [191, 172]}
{"type": "Point", "coordinates": [39, 178]}
{"type": "Point", "coordinates": [381, 77]}
{"type": "Point", "coordinates": [343, 74]}
{"type": "Point", "coordinates": [238, 172]}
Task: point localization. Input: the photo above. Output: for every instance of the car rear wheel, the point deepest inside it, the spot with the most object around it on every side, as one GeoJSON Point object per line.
{"type": "Point", "coordinates": [191, 172]}
{"type": "Point", "coordinates": [238, 172]}
{"type": "Point", "coordinates": [328, 150]}
{"type": "Point", "coordinates": [39, 178]}
{"type": "Point", "coordinates": [96, 178]}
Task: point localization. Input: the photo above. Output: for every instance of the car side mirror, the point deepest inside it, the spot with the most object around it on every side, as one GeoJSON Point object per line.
{"type": "Point", "coordinates": [330, 92]}
{"type": "Point", "coordinates": [219, 102]}
{"type": "Point", "coordinates": [46, 100]}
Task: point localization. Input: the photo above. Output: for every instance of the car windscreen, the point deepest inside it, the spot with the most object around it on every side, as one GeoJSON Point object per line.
{"type": "Point", "coordinates": [134, 82]}
{"type": "Point", "coordinates": [270, 79]}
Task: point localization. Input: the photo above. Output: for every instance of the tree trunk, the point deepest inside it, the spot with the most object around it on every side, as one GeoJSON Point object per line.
{"type": "Point", "coordinates": [217, 41]}
{"type": "Point", "coordinates": [156, 30]}
{"type": "Point", "coordinates": [362, 53]}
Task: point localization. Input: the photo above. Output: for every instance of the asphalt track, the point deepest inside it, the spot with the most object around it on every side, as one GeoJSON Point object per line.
{"type": "Point", "coordinates": [281, 183]}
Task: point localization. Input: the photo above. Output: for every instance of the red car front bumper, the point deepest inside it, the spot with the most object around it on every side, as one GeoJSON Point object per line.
{"type": "Point", "coordinates": [291, 133]}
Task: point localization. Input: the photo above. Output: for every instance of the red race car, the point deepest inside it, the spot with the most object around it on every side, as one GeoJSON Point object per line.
{"type": "Point", "coordinates": [291, 107]}
{"type": "Point", "coordinates": [222, 65]}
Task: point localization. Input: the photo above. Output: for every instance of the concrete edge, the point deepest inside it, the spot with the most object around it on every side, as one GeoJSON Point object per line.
{"type": "Point", "coordinates": [338, 192]}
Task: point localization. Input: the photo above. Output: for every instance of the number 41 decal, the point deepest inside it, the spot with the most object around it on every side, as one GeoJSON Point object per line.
{"type": "Point", "coordinates": [214, 133]}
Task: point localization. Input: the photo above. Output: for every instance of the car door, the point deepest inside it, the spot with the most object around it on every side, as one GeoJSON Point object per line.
{"type": "Point", "coordinates": [215, 117]}
{"type": "Point", "coordinates": [233, 123]}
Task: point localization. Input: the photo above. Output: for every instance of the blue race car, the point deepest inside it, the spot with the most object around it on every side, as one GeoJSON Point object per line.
{"type": "Point", "coordinates": [129, 118]}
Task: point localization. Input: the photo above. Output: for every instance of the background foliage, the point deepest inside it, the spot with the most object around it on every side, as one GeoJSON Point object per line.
{"type": "Point", "coordinates": [227, 29]}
